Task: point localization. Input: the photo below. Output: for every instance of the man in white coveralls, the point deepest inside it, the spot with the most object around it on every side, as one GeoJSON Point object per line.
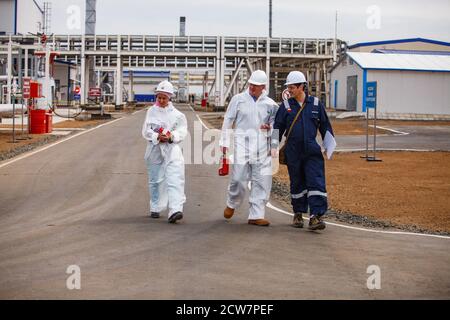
{"type": "Point", "coordinates": [252, 112]}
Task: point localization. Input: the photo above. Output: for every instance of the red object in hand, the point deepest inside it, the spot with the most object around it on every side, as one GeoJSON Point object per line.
{"type": "Point", "coordinates": [224, 166]}
{"type": "Point", "coordinates": [161, 130]}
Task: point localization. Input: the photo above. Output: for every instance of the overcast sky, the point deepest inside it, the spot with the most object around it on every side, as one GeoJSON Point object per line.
{"type": "Point", "coordinates": [358, 21]}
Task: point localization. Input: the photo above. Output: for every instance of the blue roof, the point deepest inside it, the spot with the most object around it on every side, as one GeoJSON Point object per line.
{"type": "Point", "coordinates": [432, 53]}
{"type": "Point", "coordinates": [365, 44]}
{"type": "Point", "coordinates": [148, 74]}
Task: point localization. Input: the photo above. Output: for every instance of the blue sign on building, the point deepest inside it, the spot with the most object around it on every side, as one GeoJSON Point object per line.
{"type": "Point", "coordinates": [76, 97]}
{"type": "Point", "coordinates": [371, 94]}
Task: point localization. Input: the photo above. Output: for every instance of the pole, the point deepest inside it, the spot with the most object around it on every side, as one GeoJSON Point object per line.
{"type": "Point", "coordinates": [335, 39]}
{"type": "Point", "coordinates": [367, 135]}
{"type": "Point", "coordinates": [270, 18]}
{"type": "Point", "coordinates": [9, 71]}
{"type": "Point", "coordinates": [375, 135]}
{"type": "Point", "coordinates": [14, 118]}
{"type": "Point", "coordinates": [21, 86]}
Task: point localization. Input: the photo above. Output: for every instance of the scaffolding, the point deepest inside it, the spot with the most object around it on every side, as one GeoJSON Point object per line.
{"type": "Point", "coordinates": [46, 29]}
{"type": "Point", "coordinates": [228, 60]}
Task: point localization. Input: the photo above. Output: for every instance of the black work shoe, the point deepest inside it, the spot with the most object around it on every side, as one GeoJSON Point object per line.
{"type": "Point", "coordinates": [297, 222]}
{"type": "Point", "coordinates": [154, 215]}
{"type": "Point", "coordinates": [316, 223]}
{"type": "Point", "coordinates": [176, 216]}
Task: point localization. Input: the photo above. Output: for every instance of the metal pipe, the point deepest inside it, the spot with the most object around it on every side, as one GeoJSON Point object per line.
{"type": "Point", "coordinates": [270, 18]}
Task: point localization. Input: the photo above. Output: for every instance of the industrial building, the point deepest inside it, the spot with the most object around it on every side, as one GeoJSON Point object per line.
{"type": "Point", "coordinates": [21, 17]}
{"type": "Point", "coordinates": [126, 67]}
{"type": "Point", "coordinates": [141, 84]}
{"type": "Point", "coordinates": [409, 76]}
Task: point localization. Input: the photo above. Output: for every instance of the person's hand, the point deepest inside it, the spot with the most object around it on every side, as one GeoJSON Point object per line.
{"type": "Point", "coordinates": [274, 153]}
{"type": "Point", "coordinates": [224, 150]}
{"type": "Point", "coordinates": [163, 138]}
{"type": "Point", "coordinates": [265, 126]}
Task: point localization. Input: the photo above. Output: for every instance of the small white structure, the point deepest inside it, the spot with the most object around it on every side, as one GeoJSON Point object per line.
{"type": "Point", "coordinates": [65, 74]}
{"type": "Point", "coordinates": [406, 82]}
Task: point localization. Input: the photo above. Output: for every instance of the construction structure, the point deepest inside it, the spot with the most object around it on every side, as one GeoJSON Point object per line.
{"type": "Point", "coordinates": [221, 65]}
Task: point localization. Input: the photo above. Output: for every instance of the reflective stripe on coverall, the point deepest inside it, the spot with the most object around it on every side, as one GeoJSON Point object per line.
{"type": "Point", "coordinates": [251, 157]}
{"type": "Point", "coordinates": [303, 154]}
{"type": "Point", "coordinates": [165, 162]}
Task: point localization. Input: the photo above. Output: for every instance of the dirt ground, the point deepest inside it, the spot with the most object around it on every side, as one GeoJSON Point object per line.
{"type": "Point", "coordinates": [6, 138]}
{"type": "Point", "coordinates": [340, 127]}
{"type": "Point", "coordinates": [344, 127]}
{"type": "Point", "coordinates": [8, 149]}
{"type": "Point", "coordinates": [78, 124]}
{"type": "Point", "coordinates": [406, 188]}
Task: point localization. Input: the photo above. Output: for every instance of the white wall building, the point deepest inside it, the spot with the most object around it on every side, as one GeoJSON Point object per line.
{"type": "Point", "coordinates": [407, 81]}
{"type": "Point", "coordinates": [20, 17]}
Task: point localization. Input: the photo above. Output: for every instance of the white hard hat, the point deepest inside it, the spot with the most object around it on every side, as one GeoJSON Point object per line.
{"type": "Point", "coordinates": [258, 78]}
{"type": "Point", "coordinates": [165, 87]}
{"type": "Point", "coordinates": [295, 77]}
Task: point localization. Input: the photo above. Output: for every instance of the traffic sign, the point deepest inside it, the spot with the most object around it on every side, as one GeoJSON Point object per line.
{"type": "Point", "coordinates": [77, 90]}
{"type": "Point", "coordinates": [371, 94]}
{"type": "Point", "coordinates": [76, 97]}
{"type": "Point", "coordinates": [95, 92]}
{"type": "Point", "coordinates": [26, 88]}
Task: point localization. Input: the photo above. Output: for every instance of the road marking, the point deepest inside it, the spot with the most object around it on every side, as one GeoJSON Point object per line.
{"type": "Point", "coordinates": [145, 109]}
{"type": "Point", "coordinates": [392, 130]}
{"type": "Point", "coordinates": [56, 143]}
{"type": "Point", "coordinates": [271, 206]}
{"type": "Point", "coordinates": [204, 125]}
{"type": "Point", "coordinates": [387, 149]}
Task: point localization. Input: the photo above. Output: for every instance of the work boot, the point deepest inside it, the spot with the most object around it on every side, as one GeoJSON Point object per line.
{"type": "Point", "coordinates": [316, 223]}
{"type": "Point", "coordinates": [297, 222]}
{"type": "Point", "coordinates": [176, 216]}
{"type": "Point", "coordinates": [154, 215]}
{"type": "Point", "coordinates": [259, 222]}
{"type": "Point", "coordinates": [228, 212]}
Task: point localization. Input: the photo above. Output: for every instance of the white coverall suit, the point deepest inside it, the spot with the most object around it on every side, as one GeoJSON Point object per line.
{"type": "Point", "coordinates": [165, 162]}
{"type": "Point", "coordinates": [251, 158]}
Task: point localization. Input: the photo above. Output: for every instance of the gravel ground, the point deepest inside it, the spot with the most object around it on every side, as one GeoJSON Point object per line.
{"type": "Point", "coordinates": [5, 155]}
{"type": "Point", "coordinates": [394, 194]}
{"type": "Point", "coordinates": [280, 190]}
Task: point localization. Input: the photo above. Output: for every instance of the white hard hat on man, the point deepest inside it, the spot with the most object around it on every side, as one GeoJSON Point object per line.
{"type": "Point", "coordinates": [258, 78]}
{"type": "Point", "coordinates": [295, 77]}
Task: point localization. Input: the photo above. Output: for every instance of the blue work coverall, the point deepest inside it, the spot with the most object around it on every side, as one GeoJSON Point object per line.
{"type": "Point", "coordinates": [304, 157]}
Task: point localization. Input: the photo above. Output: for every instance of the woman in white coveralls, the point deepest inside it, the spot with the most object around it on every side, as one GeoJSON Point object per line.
{"type": "Point", "coordinates": [164, 128]}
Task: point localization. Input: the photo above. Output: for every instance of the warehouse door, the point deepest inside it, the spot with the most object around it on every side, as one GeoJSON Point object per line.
{"type": "Point", "coordinates": [352, 82]}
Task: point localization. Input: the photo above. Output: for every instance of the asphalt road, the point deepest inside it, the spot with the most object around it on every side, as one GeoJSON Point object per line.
{"type": "Point", "coordinates": [84, 202]}
{"type": "Point", "coordinates": [436, 138]}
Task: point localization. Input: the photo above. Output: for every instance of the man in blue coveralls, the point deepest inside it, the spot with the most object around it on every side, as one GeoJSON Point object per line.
{"type": "Point", "coordinates": [303, 154]}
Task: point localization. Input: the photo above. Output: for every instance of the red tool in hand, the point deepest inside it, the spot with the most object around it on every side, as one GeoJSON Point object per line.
{"type": "Point", "coordinates": [224, 166]}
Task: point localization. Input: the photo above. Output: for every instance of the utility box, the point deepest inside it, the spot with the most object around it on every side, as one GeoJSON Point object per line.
{"type": "Point", "coordinates": [35, 90]}
{"type": "Point", "coordinates": [48, 123]}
